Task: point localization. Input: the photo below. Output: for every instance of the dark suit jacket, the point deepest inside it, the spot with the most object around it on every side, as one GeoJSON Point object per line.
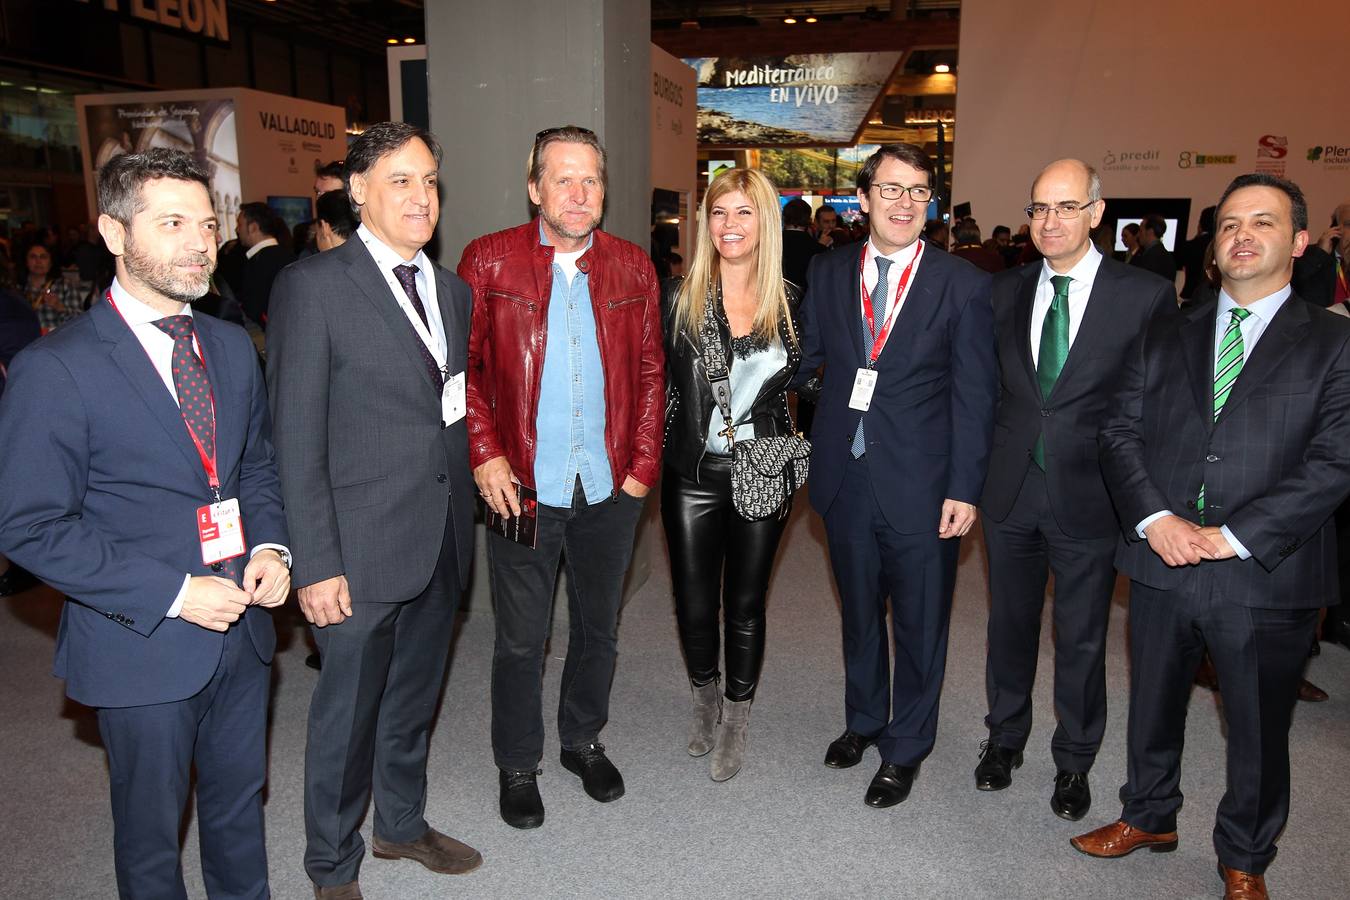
{"type": "Point", "coordinates": [18, 328]}
{"type": "Point", "coordinates": [932, 414]}
{"type": "Point", "coordinates": [799, 248]}
{"type": "Point", "coordinates": [368, 473]}
{"type": "Point", "coordinates": [1315, 276]}
{"type": "Point", "coordinates": [1274, 464]}
{"type": "Point", "coordinates": [1122, 303]}
{"type": "Point", "coordinates": [1158, 260]}
{"type": "Point", "coordinates": [259, 274]}
{"type": "Point", "coordinates": [99, 494]}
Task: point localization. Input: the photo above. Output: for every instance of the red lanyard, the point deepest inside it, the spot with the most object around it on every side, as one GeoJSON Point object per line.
{"type": "Point", "coordinates": [879, 342]}
{"type": "Point", "coordinates": [1342, 288]}
{"type": "Point", "coordinates": [208, 459]}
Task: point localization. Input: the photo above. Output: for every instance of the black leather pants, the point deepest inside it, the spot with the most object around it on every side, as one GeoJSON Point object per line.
{"type": "Point", "coordinates": [718, 560]}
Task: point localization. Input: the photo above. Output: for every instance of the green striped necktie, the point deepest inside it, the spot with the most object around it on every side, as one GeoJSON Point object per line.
{"type": "Point", "coordinates": [1227, 368]}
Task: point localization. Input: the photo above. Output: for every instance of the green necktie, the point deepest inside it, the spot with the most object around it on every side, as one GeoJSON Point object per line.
{"type": "Point", "coordinates": [1054, 350]}
{"type": "Point", "coordinates": [1227, 367]}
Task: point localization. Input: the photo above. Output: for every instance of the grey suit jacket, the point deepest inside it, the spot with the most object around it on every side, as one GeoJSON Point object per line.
{"type": "Point", "coordinates": [368, 473]}
{"type": "Point", "coordinates": [1274, 463]}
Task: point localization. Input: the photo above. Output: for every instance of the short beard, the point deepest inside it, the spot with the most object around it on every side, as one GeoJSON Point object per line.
{"type": "Point", "coordinates": [559, 229]}
{"type": "Point", "coordinates": [162, 277]}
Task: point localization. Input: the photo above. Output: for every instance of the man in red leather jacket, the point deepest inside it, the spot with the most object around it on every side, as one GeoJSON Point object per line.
{"type": "Point", "coordinates": [566, 396]}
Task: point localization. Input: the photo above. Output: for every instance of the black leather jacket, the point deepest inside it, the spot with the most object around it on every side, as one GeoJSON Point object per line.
{"type": "Point", "coordinates": [689, 399]}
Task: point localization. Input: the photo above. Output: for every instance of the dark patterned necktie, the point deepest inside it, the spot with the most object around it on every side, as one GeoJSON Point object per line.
{"type": "Point", "coordinates": [191, 383]}
{"type": "Point", "coordinates": [407, 276]}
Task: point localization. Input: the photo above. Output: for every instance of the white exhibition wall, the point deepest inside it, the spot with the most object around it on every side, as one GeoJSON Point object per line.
{"type": "Point", "coordinates": [1166, 98]}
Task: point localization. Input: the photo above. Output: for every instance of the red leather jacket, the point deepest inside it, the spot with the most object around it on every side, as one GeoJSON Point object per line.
{"type": "Point", "coordinates": [511, 275]}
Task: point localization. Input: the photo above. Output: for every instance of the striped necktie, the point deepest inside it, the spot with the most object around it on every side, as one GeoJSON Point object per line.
{"type": "Point", "coordinates": [1054, 350]}
{"type": "Point", "coordinates": [1227, 367]}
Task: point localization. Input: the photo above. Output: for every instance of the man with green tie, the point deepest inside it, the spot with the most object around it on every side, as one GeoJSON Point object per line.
{"type": "Point", "coordinates": [1064, 327]}
{"type": "Point", "coordinates": [1224, 451]}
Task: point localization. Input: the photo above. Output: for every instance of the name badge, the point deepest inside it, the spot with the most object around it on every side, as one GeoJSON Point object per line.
{"type": "Point", "coordinates": [864, 383]}
{"type": "Point", "coordinates": [221, 531]}
{"type": "Point", "coordinates": [453, 403]}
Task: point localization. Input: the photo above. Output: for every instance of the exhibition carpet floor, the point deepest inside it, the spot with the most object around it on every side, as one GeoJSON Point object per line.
{"type": "Point", "coordinates": [786, 826]}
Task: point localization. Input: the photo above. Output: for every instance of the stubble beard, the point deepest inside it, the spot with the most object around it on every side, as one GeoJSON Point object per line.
{"type": "Point", "coordinates": [162, 278]}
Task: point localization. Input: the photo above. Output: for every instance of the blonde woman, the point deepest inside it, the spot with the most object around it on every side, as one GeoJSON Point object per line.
{"type": "Point", "coordinates": [733, 312]}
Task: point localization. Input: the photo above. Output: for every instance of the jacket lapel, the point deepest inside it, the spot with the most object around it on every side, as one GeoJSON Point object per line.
{"type": "Point", "coordinates": [854, 323]}
{"type": "Point", "coordinates": [1197, 345]}
{"type": "Point", "coordinates": [454, 319]}
{"type": "Point", "coordinates": [1025, 299]}
{"type": "Point", "coordinates": [920, 305]}
{"type": "Point", "coordinates": [1096, 324]}
{"type": "Point", "coordinates": [366, 275]}
{"type": "Point", "coordinates": [230, 420]}
{"type": "Point", "coordinates": [130, 357]}
{"type": "Point", "coordinates": [1279, 338]}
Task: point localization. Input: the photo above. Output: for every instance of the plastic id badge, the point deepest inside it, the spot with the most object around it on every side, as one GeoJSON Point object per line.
{"type": "Point", "coordinates": [864, 383]}
{"type": "Point", "coordinates": [221, 531]}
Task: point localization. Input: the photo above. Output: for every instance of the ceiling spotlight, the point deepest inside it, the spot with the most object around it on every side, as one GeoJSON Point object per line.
{"type": "Point", "coordinates": [410, 40]}
{"type": "Point", "coordinates": [811, 18]}
{"type": "Point", "coordinates": [789, 19]}
{"type": "Point", "coordinates": [942, 68]}
{"type": "Point", "coordinates": [392, 41]}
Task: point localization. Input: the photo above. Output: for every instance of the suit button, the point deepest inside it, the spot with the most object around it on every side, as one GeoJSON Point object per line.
{"type": "Point", "coordinates": [217, 567]}
{"type": "Point", "coordinates": [441, 478]}
{"type": "Point", "coordinates": [1045, 411]}
{"type": "Point", "coordinates": [1211, 458]}
{"type": "Point", "coordinates": [1190, 504]}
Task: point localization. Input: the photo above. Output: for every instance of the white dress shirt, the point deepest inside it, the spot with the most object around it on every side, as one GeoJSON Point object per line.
{"type": "Point", "coordinates": [159, 347]}
{"type": "Point", "coordinates": [258, 247]}
{"type": "Point", "coordinates": [1084, 274]}
{"type": "Point", "coordinates": [387, 259]}
{"type": "Point", "coordinates": [1262, 312]}
{"type": "Point", "coordinates": [881, 309]}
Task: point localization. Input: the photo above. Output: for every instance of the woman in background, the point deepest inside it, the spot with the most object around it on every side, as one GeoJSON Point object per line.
{"type": "Point", "coordinates": [733, 303]}
{"type": "Point", "coordinates": [49, 294]}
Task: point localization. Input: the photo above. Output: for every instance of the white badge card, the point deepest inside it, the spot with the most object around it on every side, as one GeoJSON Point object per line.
{"type": "Point", "coordinates": [221, 531]}
{"type": "Point", "coordinates": [453, 403]}
{"type": "Point", "coordinates": [864, 383]}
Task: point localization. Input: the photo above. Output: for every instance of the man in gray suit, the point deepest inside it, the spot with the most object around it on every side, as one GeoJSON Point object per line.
{"type": "Point", "coordinates": [366, 359]}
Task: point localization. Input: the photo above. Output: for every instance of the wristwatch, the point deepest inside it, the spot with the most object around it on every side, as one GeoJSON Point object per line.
{"type": "Point", "coordinates": [284, 554]}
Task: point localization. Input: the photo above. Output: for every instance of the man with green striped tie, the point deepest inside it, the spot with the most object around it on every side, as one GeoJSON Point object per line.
{"type": "Point", "coordinates": [1224, 454]}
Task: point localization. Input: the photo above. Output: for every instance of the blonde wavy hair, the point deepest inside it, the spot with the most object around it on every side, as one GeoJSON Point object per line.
{"type": "Point", "coordinates": [705, 271]}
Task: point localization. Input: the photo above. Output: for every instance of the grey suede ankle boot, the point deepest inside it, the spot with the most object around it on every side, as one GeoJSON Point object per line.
{"type": "Point", "coordinates": [707, 710]}
{"type": "Point", "coordinates": [732, 736]}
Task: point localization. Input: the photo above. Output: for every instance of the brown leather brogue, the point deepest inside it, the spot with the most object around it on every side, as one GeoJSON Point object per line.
{"type": "Point", "coordinates": [1242, 885]}
{"type": "Point", "coordinates": [436, 851]}
{"type": "Point", "coordinates": [1120, 838]}
{"type": "Point", "coordinates": [349, 891]}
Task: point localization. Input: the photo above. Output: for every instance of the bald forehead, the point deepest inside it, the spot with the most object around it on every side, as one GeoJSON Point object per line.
{"type": "Point", "coordinates": [1072, 171]}
{"type": "Point", "coordinates": [1343, 214]}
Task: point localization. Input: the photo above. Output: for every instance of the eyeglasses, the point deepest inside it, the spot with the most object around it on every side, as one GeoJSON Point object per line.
{"type": "Point", "coordinates": [919, 193]}
{"type": "Point", "coordinates": [1069, 209]}
{"type": "Point", "coordinates": [561, 128]}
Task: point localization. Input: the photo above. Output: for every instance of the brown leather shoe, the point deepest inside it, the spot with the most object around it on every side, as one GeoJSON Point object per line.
{"type": "Point", "coordinates": [1242, 885]}
{"type": "Point", "coordinates": [1120, 838]}
{"type": "Point", "coordinates": [349, 891]}
{"type": "Point", "coordinates": [434, 850]}
{"type": "Point", "coordinates": [1310, 693]}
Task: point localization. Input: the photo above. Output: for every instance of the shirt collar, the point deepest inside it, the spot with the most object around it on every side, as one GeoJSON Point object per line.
{"type": "Point", "coordinates": [1264, 309]}
{"type": "Point", "coordinates": [903, 255]}
{"type": "Point", "coordinates": [256, 248]}
{"type": "Point", "coordinates": [386, 257]}
{"type": "Point", "coordinates": [1084, 270]}
{"type": "Point", "coordinates": [134, 311]}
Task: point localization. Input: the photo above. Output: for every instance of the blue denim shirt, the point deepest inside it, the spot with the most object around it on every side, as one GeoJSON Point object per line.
{"type": "Point", "coordinates": [571, 424]}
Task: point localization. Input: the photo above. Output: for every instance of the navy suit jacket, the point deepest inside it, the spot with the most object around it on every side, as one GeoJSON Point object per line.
{"type": "Point", "coordinates": [1274, 463]}
{"type": "Point", "coordinates": [99, 492]}
{"type": "Point", "coordinates": [932, 414]}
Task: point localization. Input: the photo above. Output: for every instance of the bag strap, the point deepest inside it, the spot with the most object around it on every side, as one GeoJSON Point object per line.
{"type": "Point", "coordinates": [715, 366]}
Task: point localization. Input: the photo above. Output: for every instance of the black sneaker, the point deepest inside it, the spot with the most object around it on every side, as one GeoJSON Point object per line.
{"type": "Point", "coordinates": [521, 805]}
{"type": "Point", "coordinates": [598, 775]}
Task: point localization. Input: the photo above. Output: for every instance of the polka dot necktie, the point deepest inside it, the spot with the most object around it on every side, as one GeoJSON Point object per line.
{"type": "Point", "coordinates": [407, 276]}
{"type": "Point", "coordinates": [190, 381]}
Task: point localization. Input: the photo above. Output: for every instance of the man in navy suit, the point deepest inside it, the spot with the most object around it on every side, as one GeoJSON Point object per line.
{"type": "Point", "coordinates": [1224, 452]}
{"type": "Point", "coordinates": [1063, 326]}
{"type": "Point", "coordinates": [136, 450]}
{"type": "Point", "coordinates": [901, 437]}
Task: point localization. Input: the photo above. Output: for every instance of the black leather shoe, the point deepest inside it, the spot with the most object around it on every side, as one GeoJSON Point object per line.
{"type": "Point", "coordinates": [994, 773]}
{"type": "Point", "coordinates": [846, 751]}
{"type": "Point", "coordinates": [598, 776]}
{"type": "Point", "coordinates": [1072, 798]}
{"type": "Point", "coordinates": [890, 785]}
{"type": "Point", "coordinates": [313, 661]}
{"type": "Point", "coordinates": [521, 805]}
